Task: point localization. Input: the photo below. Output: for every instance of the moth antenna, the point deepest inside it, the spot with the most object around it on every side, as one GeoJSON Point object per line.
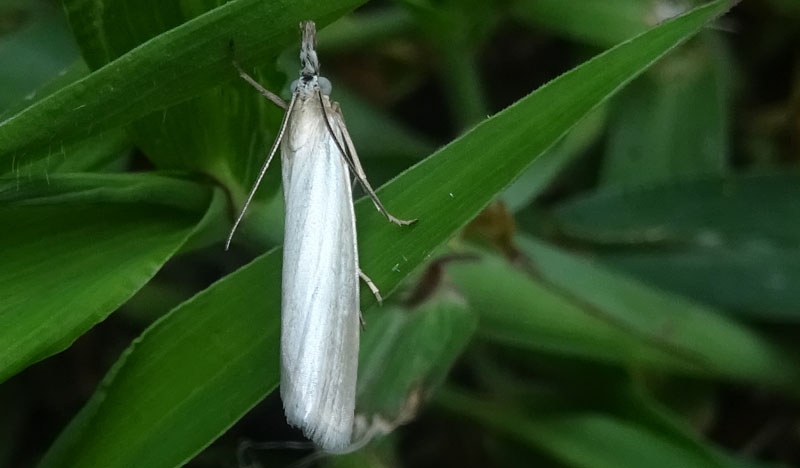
{"type": "Point", "coordinates": [308, 53]}
{"type": "Point", "coordinates": [334, 136]}
{"type": "Point", "coordinates": [263, 170]}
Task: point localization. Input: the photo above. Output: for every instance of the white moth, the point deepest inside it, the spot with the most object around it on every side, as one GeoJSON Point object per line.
{"type": "Point", "coordinates": [320, 313]}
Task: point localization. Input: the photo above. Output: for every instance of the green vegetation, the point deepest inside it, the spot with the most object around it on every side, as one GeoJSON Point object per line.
{"type": "Point", "coordinates": [602, 274]}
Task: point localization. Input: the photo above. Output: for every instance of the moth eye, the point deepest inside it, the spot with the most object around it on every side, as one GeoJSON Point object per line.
{"type": "Point", "coordinates": [293, 86]}
{"type": "Point", "coordinates": [324, 85]}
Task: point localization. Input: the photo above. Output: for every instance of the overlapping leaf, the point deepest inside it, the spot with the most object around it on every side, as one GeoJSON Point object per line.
{"type": "Point", "coordinates": [78, 246]}
{"type": "Point", "coordinates": [163, 71]}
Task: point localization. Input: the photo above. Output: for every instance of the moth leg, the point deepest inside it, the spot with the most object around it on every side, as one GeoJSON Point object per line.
{"type": "Point", "coordinates": [371, 286]}
{"type": "Point", "coordinates": [362, 177]}
{"type": "Point", "coordinates": [348, 151]}
{"type": "Point", "coordinates": [267, 93]}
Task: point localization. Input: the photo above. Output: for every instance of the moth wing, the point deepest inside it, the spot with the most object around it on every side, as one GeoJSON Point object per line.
{"type": "Point", "coordinates": [320, 302]}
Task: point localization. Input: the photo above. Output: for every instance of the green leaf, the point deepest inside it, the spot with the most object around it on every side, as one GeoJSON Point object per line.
{"type": "Point", "coordinates": [450, 187]}
{"type": "Point", "coordinates": [189, 400]}
{"type": "Point", "coordinates": [457, 28]}
{"type": "Point", "coordinates": [223, 132]}
{"type": "Point", "coordinates": [82, 245]}
{"type": "Point", "coordinates": [539, 176]}
{"type": "Point", "coordinates": [98, 153]}
{"type": "Point", "coordinates": [163, 71]}
{"type": "Point", "coordinates": [640, 406]}
{"type": "Point", "coordinates": [759, 210]}
{"type": "Point", "coordinates": [517, 310]}
{"type": "Point", "coordinates": [732, 241]}
{"type": "Point", "coordinates": [376, 135]}
{"type": "Point", "coordinates": [580, 439]}
{"type": "Point", "coordinates": [575, 308]}
{"type": "Point", "coordinates": [405, 354]}
{"type": "Point", "coordinates": [365, 28]}
{"type": "Point", "coordinates": [34, 54]}
{"type": "Point", "coordinates": [597, 22]}
{"type": "Point", "coordinates": [706, 340]}
{"type": "Point", "coordinates": [754, 282]}
{"type": "Point", "coordinates": [673, 123]}
{"type": "Point", "coordinates": [189, 377]}
{"type": "Point", "coordinates": [401, 353]}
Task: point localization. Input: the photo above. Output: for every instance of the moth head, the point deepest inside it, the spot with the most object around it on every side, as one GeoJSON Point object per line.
{"type": "Point", "coordinates": [308, 85]}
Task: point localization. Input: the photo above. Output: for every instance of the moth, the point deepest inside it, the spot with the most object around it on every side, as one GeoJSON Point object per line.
{"type": "Point", "coordinates": [320, 315]}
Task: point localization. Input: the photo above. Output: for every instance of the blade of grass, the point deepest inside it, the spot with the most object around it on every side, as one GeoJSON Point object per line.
{"type": "Point", "coordinates": [223, 132]}
{"type": "Point", "coordinates": [580, 439]}
{"type": "Point", "coordinates": [713, 211]}
{"type": "Point", "coordinates": [534, 181]}
{"type": "Point", "coordinates": [596, 22]}
{"type": "Point", "coordinates": [369, 27]}
{"type": "Point", "coordinates": [189, 377]}
{"type": "Point", "coordinates": [450, 187]}
{"type": "Point", "coordinates": [163, 71]}
{"type": "Point", "coordinates": [652, 137]}
{"type": "Point", "coordinates": [518, 311]}
{"type": "Point", "coordinates": [576, 308]}
{"type": "Point", "coordinates": [753, 283]}
{"type": "Point", "coordinates": [31, 56]}
{"type": "Point", "coordinates": [405, 354]}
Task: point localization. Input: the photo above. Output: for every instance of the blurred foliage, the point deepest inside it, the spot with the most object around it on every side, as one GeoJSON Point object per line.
{"type": "Point", "coordinates": [603, 274]}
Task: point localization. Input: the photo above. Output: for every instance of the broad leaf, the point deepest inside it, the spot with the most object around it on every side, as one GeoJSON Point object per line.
{"type": "Point", "coordinates": [78, 247]}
